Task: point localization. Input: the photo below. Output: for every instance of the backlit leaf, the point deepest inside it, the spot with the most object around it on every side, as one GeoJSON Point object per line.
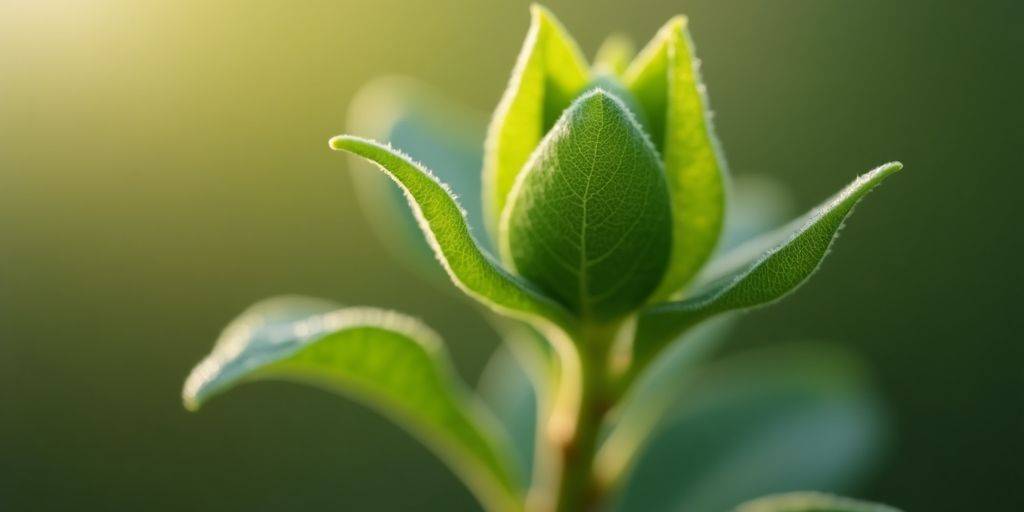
{"type": "Point", "coordinates": [759, 272]}
{"type": "Point", "coordinates": [549, 73]}
{"type": "Point", "coordinates": [444, 224]}
{"type": "Point", "coordinates": [384, 359]}
{"type": "Point", "coordinates": [665, 80]}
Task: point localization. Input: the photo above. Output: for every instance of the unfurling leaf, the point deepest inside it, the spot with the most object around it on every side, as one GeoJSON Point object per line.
{"type": "Point", "coordinates": [811, 502]}
{"type": "Point", "coordinates": [440, 133]}
{"type": "Point", "coordinates": [444, 225]}
{"type": "Point", "coordinates": [665, 80]}
{"type": "Point", "coordinates": [759, 272]}
{"type": "Point", "coordinates": [549, 73]}
{"type": "Point", "coordinates": [384, 359]}
{"type": "Point", "coordinates": [588, 219]}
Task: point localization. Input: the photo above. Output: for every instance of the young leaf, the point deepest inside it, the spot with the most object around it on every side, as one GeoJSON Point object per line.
{"type": "Point", "coordinates": [549, 73]}
{"type": "Point", "coordinates": [759, 272]}
{"type": "Point", "coordinates": [384, 359]}
{"type": "Point", "coordinates": [588, 219]}
{"type": "Point", "coordinates": [440, 133]}
{"type": "Point", "coordinates": [811, 502]}
{"type": "Point", "coordinates": [764, 421]}
{"type": "Point", "coordinates": [444, 224]}
{"type": "Point", "coordinates": [665, 80]}
{"type": "Point", "coordinates": [614, 54]}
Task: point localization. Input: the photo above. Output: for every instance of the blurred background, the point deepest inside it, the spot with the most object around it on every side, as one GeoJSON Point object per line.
{"type": "Point", "coordinates": [164, 164]}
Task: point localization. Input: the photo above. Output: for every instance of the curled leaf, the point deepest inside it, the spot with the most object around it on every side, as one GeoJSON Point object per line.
{"type": "Point", "coordinates": [441, 134]}
{"type": "Point", "coordinates": [759, 272]}
{"type": "Point", "coordinates": [384, 359]}
{"type": "Point", "coordinates": [443, 223]}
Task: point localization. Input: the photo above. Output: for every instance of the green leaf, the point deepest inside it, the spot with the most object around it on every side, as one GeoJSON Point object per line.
{"type": "Point", "coordinates": [614, 55]}
{"type": "Point", "coordinates": [768, 420]}
{"type": "Point", "coordinates": [759, 272]}
{"type": "Point", "coordinates": [442, 134]}
{"type": "Point", "coordinates": [811, 502]}
{"type": "Point", "coordinates": [549, 73]}
{"type": "Point", "coordinates": [506, 388]}
{"type": "Point", "coordinates": [444, 224]}
{"type": "Point", "coordinates": [665, 80]}
{"type": "Point", "coordinates": [588, 219]}
{"type": "Point", "coordinates": [644, 407]}
{"type": "Point", "coordinates": [384, 359]}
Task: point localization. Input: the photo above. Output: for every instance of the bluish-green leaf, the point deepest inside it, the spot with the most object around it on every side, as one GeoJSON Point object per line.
{"type": "Point", "coordinates": [440, 133]}
{"type": "Point", "coordinates": [769, 420]}
{"type": "Point", "coordinates": [588, 219]}
{"type": "Point", "coordinates": [666, 82]}
{"type": "Point", "coordinates": [811, 502]}
{"type": "Point", "coordinates": [384, 359]}
{"type": "Point", "coordinates": [549, 73]}
{"type": "Point", "coordinates": [506, 388]}
{"type": "Point", "coordinates": [444, 224]}
{"type": "Point", "coordinates": [645, 406]}
{"type": "Point", "coordinates": [758, 272]}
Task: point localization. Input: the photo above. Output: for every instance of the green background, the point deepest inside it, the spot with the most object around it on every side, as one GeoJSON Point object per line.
{"type": "Point", "coordinates": [164, 164]}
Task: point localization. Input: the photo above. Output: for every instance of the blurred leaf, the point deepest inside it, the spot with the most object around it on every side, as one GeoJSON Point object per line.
{"type": "Point", "coordinates": [442, 134]}
{"type": "Point", "coordinates": [759, 272]}
{"type": "Point", "coordinates": [506, 388]}
{"type": "Point", "coordinates": [665, 80]}
{"type": "Point", "coordinates": [444, 224]}
{"type": "Point", "coordinates": [384, 359]}
{"type": "Point", "coordinates": [614, 54]}
{"type": "Point", "coordinates": [647, 402]}
{"type": "Point", "coordinates": [757, 204]}
{"type": "Point", "coordinates": [549, 73]}
{"type": "Point", "coordinates": [771, 420]}
{"type": "Point", "coordinates": [811, 502]}
{"type": "Point", "coordinates": [588, 220]}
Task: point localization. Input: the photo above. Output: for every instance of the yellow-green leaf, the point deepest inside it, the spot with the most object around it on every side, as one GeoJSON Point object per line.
{"type": "Point", "coordinates": [443, 222]}
{"type": "Point", "coordinates": [549, 73]}
{"type": "Point", "coordinates": [386, 360]}
{"type": "Point", "coordinates": [665, 80]}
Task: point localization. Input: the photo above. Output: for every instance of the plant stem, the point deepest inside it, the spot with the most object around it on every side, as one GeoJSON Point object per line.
{"type": "Point", "coordinates": [569, 480]}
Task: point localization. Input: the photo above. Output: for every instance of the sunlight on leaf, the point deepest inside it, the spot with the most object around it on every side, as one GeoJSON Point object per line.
{"type": "Point", "coordinates": [444, 224]}
{"type": "Point", "coordinates": [665, 80]}
{"type": "Point", "coordinates": [386, 360]}
{"type": "Point", "coordinates": [549, 73]}
{"type": "Point", "coordinates": [759, 272]}
{"type": "Point", "coordinates": [442, 134]}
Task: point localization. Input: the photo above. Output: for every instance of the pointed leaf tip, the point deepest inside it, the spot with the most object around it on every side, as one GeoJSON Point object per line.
{"type": "Point", "coordinates": [758, 272]}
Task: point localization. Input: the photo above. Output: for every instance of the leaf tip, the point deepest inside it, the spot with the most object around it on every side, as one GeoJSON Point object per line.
{"type": "Point", "coordinates": [678, 22]}
{"type": "Point", "coordinates": [341, 142]}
